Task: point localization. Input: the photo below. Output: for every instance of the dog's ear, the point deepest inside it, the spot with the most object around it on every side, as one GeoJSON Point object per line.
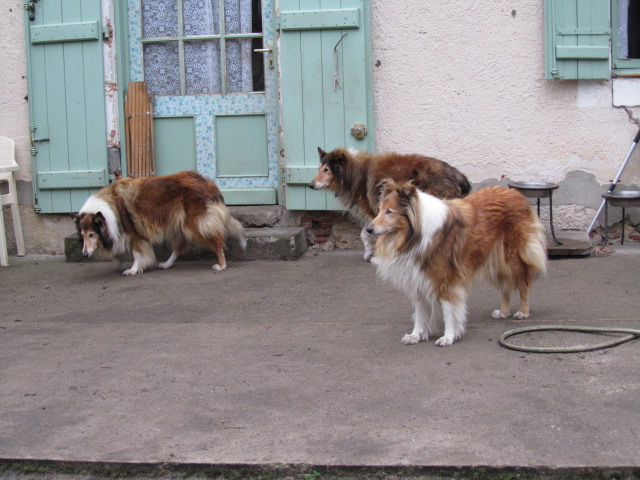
{"type": "Point", "coordinates": [76, 218]}
{"type": "Point", "coordinates": [386, 186]}
{"type": "Point", "coordinates": [321, 153]}
{"type": "Point", "coordinates": [101, 229]}
{"type": "Point", "coordinates": [407, 191]}
{"type": "Point", "coordinates": [337, 163]}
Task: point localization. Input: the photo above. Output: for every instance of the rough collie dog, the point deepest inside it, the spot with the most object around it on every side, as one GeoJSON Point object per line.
{"type": "Point", "coordinates": [432, 248]}
{"type": "Point", "coordinates": [355, 178]}
{"type": "Point", "coordinates": [132, 214]}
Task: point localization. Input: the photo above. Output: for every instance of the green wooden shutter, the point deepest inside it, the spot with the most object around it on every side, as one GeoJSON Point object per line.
{"type": "Point", "coordinates": [67, 102]}
{"type": "Point", "coordinates": [316, 111]}
{"type": "Point", "coordinates": [577, 35]}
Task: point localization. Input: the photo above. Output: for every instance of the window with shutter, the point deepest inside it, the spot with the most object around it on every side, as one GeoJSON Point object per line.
{"type": "Point", "coordinates": [625, 45]}
{"type": "Point", "coordinates": [577, 34]}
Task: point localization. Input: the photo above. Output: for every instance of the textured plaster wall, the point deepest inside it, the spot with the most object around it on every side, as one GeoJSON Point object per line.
{"type": "Point", "coordinates": [464, 81]}
{"type": "Point", "coordinates": [14, 114]}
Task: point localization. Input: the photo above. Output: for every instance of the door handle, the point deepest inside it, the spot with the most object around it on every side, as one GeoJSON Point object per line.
{"type": "Point", "coordinates": [269, 51]}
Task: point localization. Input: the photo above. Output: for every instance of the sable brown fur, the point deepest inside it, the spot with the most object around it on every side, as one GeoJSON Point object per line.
{"type": "Point", "coordinates": [135, 213]}
{"type": "Point", "coordinates": [355, 178]}
{"type": "Point", "coordinates": [433, 250]}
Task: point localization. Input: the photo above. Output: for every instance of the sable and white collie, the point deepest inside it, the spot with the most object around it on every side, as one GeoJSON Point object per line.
{"type": "Point", "coordinates": [432, 248]}
{"type": "Point", "coordinates": [355, 178]}
{"type": "Point", "coordinates": [132, 214]}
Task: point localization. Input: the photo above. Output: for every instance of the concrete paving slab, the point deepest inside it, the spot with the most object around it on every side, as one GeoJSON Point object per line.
{"type": "Point", "coordinates": [300, 363]}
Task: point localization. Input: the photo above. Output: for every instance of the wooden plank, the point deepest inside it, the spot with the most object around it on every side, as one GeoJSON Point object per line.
{"type": "Point", "coordinates": [57, 105]}
{"type": "Point", "coordinates": [312, 104]}
{"type": "Point", "coordinates": [319, 19]}
{"type": "Point", "coordinates": [37, 102]}
{"type": "Point", "coordinates": [66, 179]}
{"type": "Point", "coordinates": [65, 32]}
{"type": "Point", "coordinates": [300, 175]}
{"type": "Point", "coordinates": [333, 46]}
{"type": "Point", "coordinates": [140, 137]}
{"type": "Point", "coordinates": [355, 90]}
{"type": "Point", "coordinates": [77, 88]}
{"type": "Point", "coordinates": [582, 52]}
{"type": "Point", "coordinates": [292, 111]}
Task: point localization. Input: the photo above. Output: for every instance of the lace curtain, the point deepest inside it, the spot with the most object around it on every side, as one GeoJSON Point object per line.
{"type": "Point", "coordinates": [202, 58]}
{"type": "Point", "coordinates": [623, 29]}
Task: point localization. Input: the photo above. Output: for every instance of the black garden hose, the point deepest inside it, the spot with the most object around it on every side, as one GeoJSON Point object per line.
{"type": "Point", "coordinates": [629, 334]}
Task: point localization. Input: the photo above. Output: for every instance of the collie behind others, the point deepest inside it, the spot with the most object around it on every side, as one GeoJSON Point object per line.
{"type": "Point", "coordinates": [133, 214]}
{"type": "Point", "coordinates": [355, 176]}
{"type": "Point", "coordinates": [432, 249]}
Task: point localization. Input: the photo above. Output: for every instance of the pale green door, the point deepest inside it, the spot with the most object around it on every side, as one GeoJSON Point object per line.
{"type": "Point", "coordinates": [210, 67]}
{"type": "Point", "coordinates": [66, 102]}
{"type": "Point", "coordinates": [326, 89]}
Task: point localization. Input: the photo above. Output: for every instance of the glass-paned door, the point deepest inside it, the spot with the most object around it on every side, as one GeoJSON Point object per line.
{"type": "Point", "coordinates": [209, 65]}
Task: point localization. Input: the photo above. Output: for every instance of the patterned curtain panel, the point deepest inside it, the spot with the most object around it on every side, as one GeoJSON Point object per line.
{"type": "Point", "coordinates": [238, 20]}
{"type": "Point", "coordinates": [623, 29]}
{"type": "Point", "coordinates": [202, 58]}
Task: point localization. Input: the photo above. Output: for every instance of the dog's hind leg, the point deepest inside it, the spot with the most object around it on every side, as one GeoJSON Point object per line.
{"type": "Point", "coordinates": [523, 311]}
{"type": "Point", "coordinates": [421, 322]}
{"type": "Point", "coordinates": [503, 312]}
{"type": "Point", "coordinates": [455, 319]}
{"type": "Point", "coordinates": [368, 242]}
{"type": "Point", "coordinates": [177, 248]}
{"type": "Point", "coordinates": [218, 249]}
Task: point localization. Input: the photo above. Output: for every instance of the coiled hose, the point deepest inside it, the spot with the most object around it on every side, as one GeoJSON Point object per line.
{"type": "Point", "coordinates": [629, 334]}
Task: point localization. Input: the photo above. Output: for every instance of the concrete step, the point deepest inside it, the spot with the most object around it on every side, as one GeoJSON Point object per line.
{"type": "Point", "coordinates": [279, 243]}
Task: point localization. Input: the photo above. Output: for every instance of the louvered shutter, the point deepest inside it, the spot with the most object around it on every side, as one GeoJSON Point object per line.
{"type": "Point", "coordinates": [577, 36]}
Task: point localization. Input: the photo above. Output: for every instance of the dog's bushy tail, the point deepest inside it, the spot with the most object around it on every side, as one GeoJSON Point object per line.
{"type": "Point", "coordinates": [534, 251]}
{"type": "Point", "coordinates": [235, 230]}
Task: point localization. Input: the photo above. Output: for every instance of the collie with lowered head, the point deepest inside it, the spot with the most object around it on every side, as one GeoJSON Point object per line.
{"type": "Point", "coordinates": [432, 249]}
{"type": "Point", "coordinates": [355, 178]}
{"type": "Point", "coordinates": [133, 214]}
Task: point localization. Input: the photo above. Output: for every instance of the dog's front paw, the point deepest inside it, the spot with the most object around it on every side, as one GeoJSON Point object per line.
{"type": "Point", "coordinates": [445, 341]}
{"type": "Point", "coordinates": [519, 315]}
{"type": "Point", "coordinates": [131, 271]}
{"type": "Point", "coordinates": [367, 255]}
{"type": "Point", "coordinates": [218, 268]}
{"type": "Point", "coordinates": [411, 339]}
{"type": "Point", "coordinates": [499, 314]}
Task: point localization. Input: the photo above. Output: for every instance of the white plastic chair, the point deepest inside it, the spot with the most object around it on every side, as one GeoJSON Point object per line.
{"type": "Point", "coordinates": [8, 165]}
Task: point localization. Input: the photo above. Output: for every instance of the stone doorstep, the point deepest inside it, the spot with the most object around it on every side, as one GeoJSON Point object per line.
{"type": "Point", "coordinates": [285, 243]}
{"type": "Point", "coordinates": [570, 248]}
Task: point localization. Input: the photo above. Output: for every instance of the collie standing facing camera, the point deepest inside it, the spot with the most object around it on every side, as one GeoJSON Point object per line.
{"type": "Point", "coordinates": [133, 214]}
{"type": "Point", "coordinates": [432, 249]}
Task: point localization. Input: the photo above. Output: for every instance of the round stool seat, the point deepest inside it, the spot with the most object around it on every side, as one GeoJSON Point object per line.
{"type": "Point", "coordinates": [538, 189]}
{"type": "Point", "coordinates": [624, 198]}
{"type": "Point", "coordinates": [534, 189]}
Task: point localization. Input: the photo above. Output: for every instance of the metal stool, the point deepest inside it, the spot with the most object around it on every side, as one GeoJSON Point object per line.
{"type": "Point", "coordinates": [625, 198]}
{"type": "Point", "coordinates": [539, 190]}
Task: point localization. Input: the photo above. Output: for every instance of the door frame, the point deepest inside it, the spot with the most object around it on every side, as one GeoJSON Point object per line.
{"type": "Point", "coordinates": [233, 196]}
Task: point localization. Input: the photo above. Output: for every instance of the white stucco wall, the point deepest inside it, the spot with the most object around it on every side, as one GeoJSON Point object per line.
{"type": "Point", "coordinates": [14, 114]}
{"type": "Point", "coordinates": [464, 81]}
